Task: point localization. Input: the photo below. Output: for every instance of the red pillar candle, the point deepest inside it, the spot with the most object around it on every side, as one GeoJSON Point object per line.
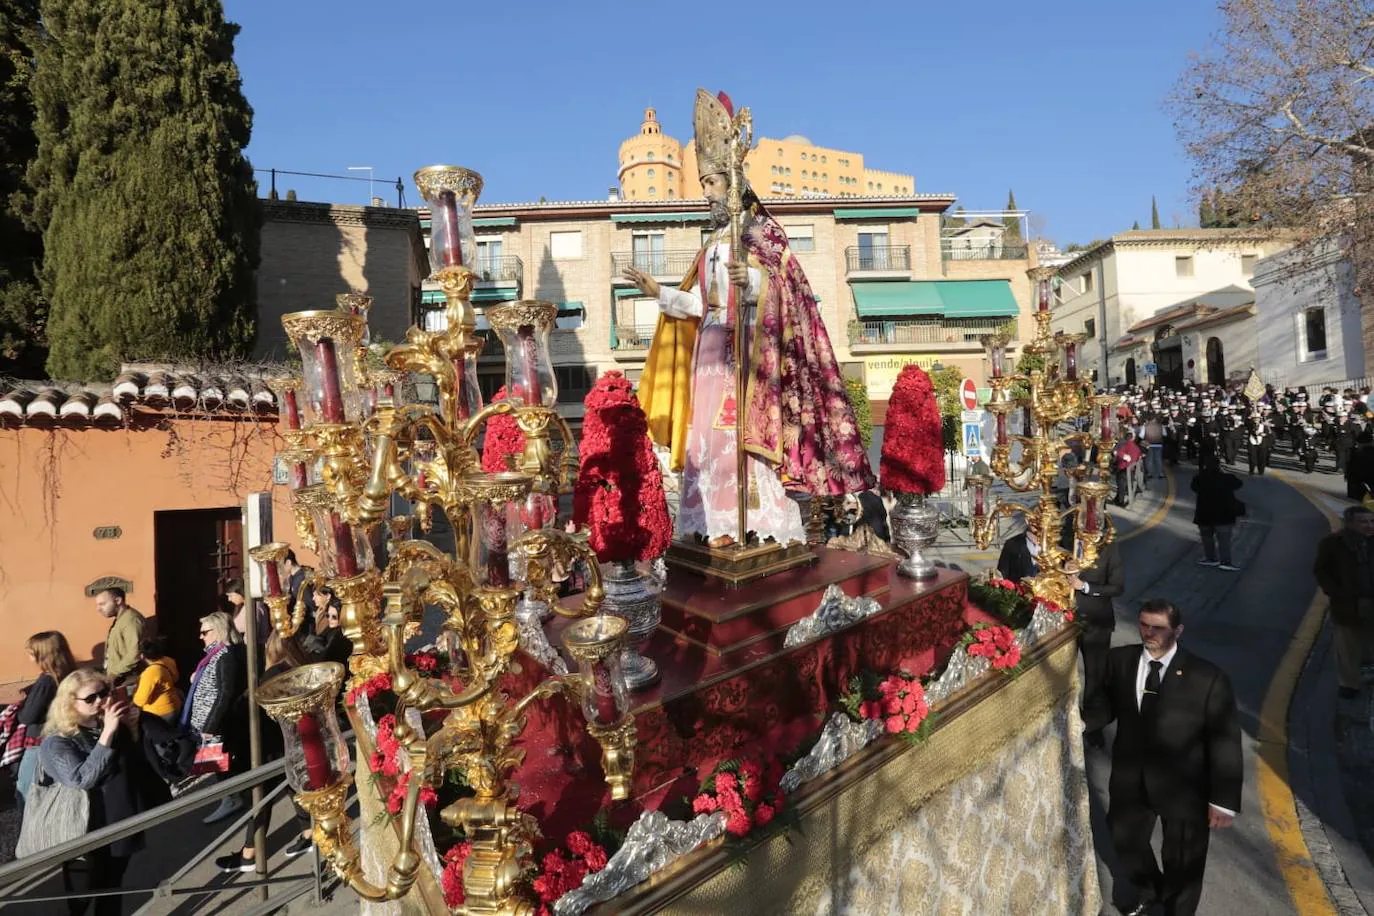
{"type": "Point", "coordinates": [460, 387]}
{"type": "Point", "coordinates": [1090, 511]}
{"type": "Point", "coordinates": [603, 695]}
{"type": "Point", "coordinates": [345, 557]}
{"type": "Point", "coordinates": [331, 396]}
{"type": "Point", "coordinates": [1001, 429]}
{"type": "Point", "coordinates": [273, 579]}
{"type": "Point", "coordinates": [980, 500]}
{"type": "Point", "coordinates": [293, 410]}
{"type": "Point", "coordinates": [390, 390]}
{"type": "Point", "coordinates": [996, 358]}
{"type": "Point", "coordinates": [451, 255]}
{"type": "Point", "coordinates": [1044, 291]}
{"type": "Point", "coordinates": [1071, 361]}
{"type": "Point", "coordinates": [1105, 432]}
{"type": "Point", "coordinates": [318, 772]}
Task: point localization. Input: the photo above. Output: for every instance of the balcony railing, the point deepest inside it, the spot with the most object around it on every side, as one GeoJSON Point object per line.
{"type": "Point", "coordinates": [505, 268]}
{"type": "Point", "coordinates": [672, 263]}
{"type": "Point", "coordinates": [629, 338]}
{"type": "Point", "coordinates": [877, 258]}
{"type": "Point", "coordinates": [952, 331]}
{"type": "Point", "coordinates": [980, 250]}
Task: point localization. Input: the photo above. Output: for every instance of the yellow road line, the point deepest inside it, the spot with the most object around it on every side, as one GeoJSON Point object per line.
{"type": "Point", "coordinates": [1277, 806]}
{"type": "Point", "coordinates": [1156, 516]}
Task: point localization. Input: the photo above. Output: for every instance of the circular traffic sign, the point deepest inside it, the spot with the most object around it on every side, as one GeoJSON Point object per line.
{"type": "Point", "coordinates": [968, 394]}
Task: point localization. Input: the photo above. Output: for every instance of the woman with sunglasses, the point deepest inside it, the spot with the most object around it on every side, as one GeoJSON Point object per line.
{"type": "Point", "coordinates": [327, 643]}
{"type": "Point", "coordinates": [98, 741]}
{"type": "Point", "coordinates": [215, 685]}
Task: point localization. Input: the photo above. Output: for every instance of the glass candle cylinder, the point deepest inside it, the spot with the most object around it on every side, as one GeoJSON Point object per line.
{"type": "Point", "coordinates": [1071, 360]}
{"type": "Point", "coordinates": [328, 342]}
{"type": "Point", "coordinates": [997, 361]}
{"type": "Point", "coordinates": [451, 192]}
{"type": "Point", "coordinates": [491, 496]}
{"type": "Point", "coordinates": [980, 484]}
{"type": "Point", "coordinates": [1104, 422]}
{"type": "Point", "coordinates": [595, 643]}
{"type": "Point", "coordinates": [302, 701]}
{"type": "Point", "coordinates": [345, 550]}
{"type": "Point", "coordinates": [1043, 294]}
{"type": "Point", "coordinates": [1001, 428]}
{"type": "Point", "coordinates": [524, 328]}
{"type": "Point", "coordinates": [271, 559]}
{"type": "Point", "coordinates": [469, 391]}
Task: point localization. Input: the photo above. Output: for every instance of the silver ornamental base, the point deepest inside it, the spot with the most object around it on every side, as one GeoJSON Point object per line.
{"type": "Point", "coordinates": [915, 526]}
{"type": "Point", "coordinates": [632, 596]}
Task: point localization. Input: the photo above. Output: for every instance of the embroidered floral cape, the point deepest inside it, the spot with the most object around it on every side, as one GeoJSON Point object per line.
{"type": "Point", "coordinates": [798, 415]}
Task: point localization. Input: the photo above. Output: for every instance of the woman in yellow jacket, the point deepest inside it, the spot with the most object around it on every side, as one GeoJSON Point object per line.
{"type": "Point", "coordinates": [157, 691]}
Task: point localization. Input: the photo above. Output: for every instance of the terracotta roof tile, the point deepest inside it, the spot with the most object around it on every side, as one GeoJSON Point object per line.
{"type": "Point", "coordinates": [132, 390]}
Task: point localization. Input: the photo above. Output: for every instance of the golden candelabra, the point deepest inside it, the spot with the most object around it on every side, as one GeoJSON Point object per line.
{"type": "Point", "coordinates": [355, 450]}
{"type": "Point", "coordinates": [1047, 400]}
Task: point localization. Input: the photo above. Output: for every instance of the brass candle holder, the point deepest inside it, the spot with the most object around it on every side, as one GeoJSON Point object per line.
{"type": "Point", "coordinates": [1048, 399]}
{"type": "Point", "coordinates": [357, 449]}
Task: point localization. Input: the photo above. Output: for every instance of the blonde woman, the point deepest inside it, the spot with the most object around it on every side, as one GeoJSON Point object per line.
{"type": "Point", "coordinates": [53, 657]}
{"type": "Point", "coordinates": [97, 741]}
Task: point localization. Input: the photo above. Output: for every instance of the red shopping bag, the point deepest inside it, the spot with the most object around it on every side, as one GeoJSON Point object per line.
{"type": "Point", "coordinates": [210, 758]}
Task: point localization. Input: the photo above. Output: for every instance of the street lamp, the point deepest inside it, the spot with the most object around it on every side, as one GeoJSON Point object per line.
{"type": "Point", "coordinates": [365, 168]}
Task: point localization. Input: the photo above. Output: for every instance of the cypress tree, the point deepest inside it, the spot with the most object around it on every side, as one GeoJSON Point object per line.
{"type": "Point", "coordinates": [1012, 231]}
{"type": "Point", "coordinates": [1135, 225]}
{"type": "Point", "coordinates": [1154, 213]}
{"type": "Point", "coordinates": [147, 205]}
{"type": "Point", "coordinates": [22, 312]}
{"type": "Point", "coordinates": [1206, 216]}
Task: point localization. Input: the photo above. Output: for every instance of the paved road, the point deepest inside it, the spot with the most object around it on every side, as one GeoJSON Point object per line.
{"type": "Point", "coordinates": [1243, 621]}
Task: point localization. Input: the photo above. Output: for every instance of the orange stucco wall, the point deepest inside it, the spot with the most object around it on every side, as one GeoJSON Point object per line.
{"type": "Point", "coordinates": [58, 485]}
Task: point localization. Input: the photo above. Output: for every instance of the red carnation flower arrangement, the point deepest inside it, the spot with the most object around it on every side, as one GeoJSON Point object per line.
{"type": "Point", "coordinates": [385, 763]}
{"type": "Point", "coordinates": [898, 701]}
{"type": "Point", "coordinates": [995, 643]}
{"type": "Point", "coordinates": [749, 793]}
{"type": "Point", "coordinates": [378, 683]}
{"type": "Point", "coordinates": [452, 878]}
{"type": "Point", "coordinates": [619, 492]}
{"type": "Point", "coordinates": [565, 872]}
{"type": "Point", "coordinates": [913, 457]}
{"type": "Point", "coordinates": [504, 442]}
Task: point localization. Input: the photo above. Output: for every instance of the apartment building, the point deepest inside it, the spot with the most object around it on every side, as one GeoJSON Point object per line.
{"type": "Point", "coordinates": [1178, 300]}
{"type": "Point", "coordinates": [892, 290]}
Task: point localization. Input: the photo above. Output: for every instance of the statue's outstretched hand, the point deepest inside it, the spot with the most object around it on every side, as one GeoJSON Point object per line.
{"type": "Point", "coordinates": [647, 284]}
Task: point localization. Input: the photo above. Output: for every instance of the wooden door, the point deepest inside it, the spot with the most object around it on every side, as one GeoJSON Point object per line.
{"type": "Point", "coordinates": [196, 552]}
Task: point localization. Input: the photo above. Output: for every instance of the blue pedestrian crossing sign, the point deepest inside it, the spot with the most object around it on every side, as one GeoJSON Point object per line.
{"type": "Point", "coordinates": [1151, 369]}
{"type": "Point", "coordinates": [973, 433]}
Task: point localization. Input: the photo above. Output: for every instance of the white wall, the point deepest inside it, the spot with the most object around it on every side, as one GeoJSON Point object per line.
{"type": "Point", "coordinates": [1289, 282]}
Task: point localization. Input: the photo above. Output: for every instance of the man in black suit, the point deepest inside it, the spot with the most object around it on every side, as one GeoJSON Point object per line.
{"type": "Point", "coordinates": [1017, 560]}
{"type": "Point", "coordinates": [1094, 589]}
{"type": "Point", "coordinates": [1176, 758]}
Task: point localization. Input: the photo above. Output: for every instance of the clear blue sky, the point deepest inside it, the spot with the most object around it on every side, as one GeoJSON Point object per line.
{"type": "Point", "coordinates": [1063, 102]}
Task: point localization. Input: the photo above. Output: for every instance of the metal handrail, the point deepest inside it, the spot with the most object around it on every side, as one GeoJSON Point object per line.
{"type": "Point", "coordinates": [877, 257]}
{"type": "Point", "coordinates": [633, 336]}
{"type": "Point", "coordinates": [989, 250]}
{"type": "Point", "coordinates": [20, 869]}
{"type": "Point", "coordinates": [958, 331]}
{"type": "Point", "coordinates": [673, 262]}
{"type": "Point", "coordinates": [499, 268]}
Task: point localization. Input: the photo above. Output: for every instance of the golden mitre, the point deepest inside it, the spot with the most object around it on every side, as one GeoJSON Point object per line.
{"type": "Point", "coordinates": [713, 121]}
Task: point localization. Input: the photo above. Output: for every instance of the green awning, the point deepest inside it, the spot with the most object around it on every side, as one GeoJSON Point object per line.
{"type": "Point", "coordinates": [496, 294]}
{"type": "Point", "coordinates": [876, 212]}
{"type": "Point", "coordinates": [911, 297]}
{"type": "Point", "coordinates": [487, 222]}
{"type": "Point", "coordinates": [569, 307]}
{"type": "Point", "coordinates": [950, 298]}
{"type": "Point", "coordinates": [631, 293]}
{"type": "Point", "coordinates": [701, 217]}
{"type": "Point", "coordinates": [432, 297]}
